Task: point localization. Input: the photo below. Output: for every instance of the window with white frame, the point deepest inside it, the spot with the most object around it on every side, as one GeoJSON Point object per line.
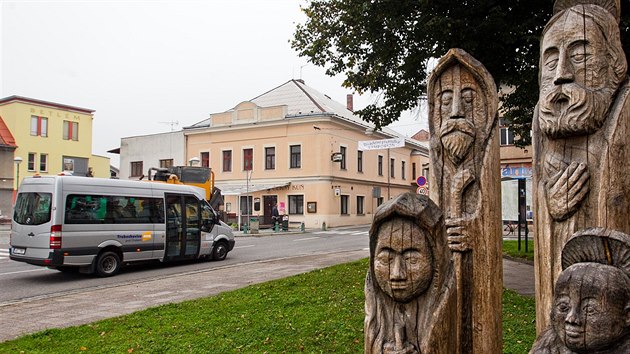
{"type": "Point", "coordinates": [344, 204]}
{"type": "Point", "coordinates": [70, 130]}
{"type": "Point", "coordinates": [506, 133]}
{"type": "Point", "coordinates": [296, 204]}
{"type": "Point", "coordinates": [31, 161]}
{"type": "Point", "coordinates": [39, 126]}
{"type": "Point", "coordinates": [270, 158]}
{"type": "Point", "coordinates": [296, 156]}
{"type": "Point", "coordinates": [248, 159]}
{"type": "Point", "coordinates": [166, 163]}
{"type": "Point", "coordinates": [360, 200]}
{"type": "Point", "coordinates": [136, 169]}
{"type": "Point", "coordinates": [43, 162]}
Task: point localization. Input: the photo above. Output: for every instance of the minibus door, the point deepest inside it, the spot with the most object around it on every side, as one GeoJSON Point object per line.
{"type": "Point", "coordinates": [182, 226]}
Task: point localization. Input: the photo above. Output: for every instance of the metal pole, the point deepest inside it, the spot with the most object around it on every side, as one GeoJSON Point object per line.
{"type": "Point", "coordinates": [389, 173]}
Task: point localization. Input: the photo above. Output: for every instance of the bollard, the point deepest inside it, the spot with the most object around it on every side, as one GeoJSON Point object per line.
{"type": "Point", "coordinates": [302, 226]}
{"type": "Point", "coordinates": [245, 229]}
{"type": "Point", "coordinates": [324, 226]}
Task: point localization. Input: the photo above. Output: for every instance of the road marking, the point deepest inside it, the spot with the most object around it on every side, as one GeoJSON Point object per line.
{"type": "Point", "coordinates": [245, 246]}
{"type": "Point", "coordinates": [4, 254]}
{"type": "Point", "coordinates": [306, 239]}
{"type": "Point", "coordinates": [25, 271]}
{"type": "Point", "coordinates": [360, 233]}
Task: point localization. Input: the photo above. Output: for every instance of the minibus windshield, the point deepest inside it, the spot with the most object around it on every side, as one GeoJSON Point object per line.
{"type": "Point", "coordinates": [32, 208]}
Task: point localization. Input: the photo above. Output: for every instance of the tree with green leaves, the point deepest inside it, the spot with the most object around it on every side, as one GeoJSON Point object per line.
{"type": "Point", "coordinates": [385, 46]}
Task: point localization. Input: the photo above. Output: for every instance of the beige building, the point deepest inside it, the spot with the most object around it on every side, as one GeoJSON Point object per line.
{"type": "Point", "coordinates": [296, 148]}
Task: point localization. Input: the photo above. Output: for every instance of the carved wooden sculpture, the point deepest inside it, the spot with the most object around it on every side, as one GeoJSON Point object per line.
{"type": "Point", "coordinates": [580, 135]}
{"type": "Point", "coordinates": [463, 122]}
{"type": "Point", "coordinates": [410, 292]}
{"type": "Point", "coordinates": [591, 308]}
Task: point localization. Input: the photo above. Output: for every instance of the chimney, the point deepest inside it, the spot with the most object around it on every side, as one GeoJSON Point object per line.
{"type": "Point", "coordinates": [349, 103]}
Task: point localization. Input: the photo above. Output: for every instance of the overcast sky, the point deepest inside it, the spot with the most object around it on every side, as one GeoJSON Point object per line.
{"type": "Point", "coordinates": [144, 64]}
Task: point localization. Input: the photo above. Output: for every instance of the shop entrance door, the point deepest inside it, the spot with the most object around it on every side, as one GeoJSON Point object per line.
{"type": "Point", "coordinates": [268, 202]}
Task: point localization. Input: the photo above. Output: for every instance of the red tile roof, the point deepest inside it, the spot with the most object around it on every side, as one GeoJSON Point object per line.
{"type": "Point", "coordinates": [6, 138]}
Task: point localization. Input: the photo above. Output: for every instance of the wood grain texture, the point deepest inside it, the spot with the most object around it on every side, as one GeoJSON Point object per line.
{"type": "Point", "coordinates": [410, 291]}
{"type": "Point", "coordinates": [580, 137]}
{"type": "Point", "coordinates": [463, 124]}
{"type": "Point", "coordinates": [590, 312]}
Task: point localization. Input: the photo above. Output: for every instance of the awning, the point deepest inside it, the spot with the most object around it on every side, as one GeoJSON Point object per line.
{"type": "Point", "coordinates": [242, 189]}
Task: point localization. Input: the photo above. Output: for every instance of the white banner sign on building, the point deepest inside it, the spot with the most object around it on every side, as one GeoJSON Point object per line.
{"type": "Point", "coordinates": [381, 144]}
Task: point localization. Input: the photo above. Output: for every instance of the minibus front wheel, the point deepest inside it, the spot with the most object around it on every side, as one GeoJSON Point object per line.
{"type": "Point", "coordinates": [107, 264]}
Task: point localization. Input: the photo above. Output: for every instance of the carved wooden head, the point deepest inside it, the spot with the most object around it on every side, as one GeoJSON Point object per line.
{"type": "Point", "coordinates": [407, 246]}
{"type": "Point", "coordinates": [582, 64]}
{"type": "Point", "coordinates": [461, 110]}
{"type": "Point", "coordinates": [591, 310]}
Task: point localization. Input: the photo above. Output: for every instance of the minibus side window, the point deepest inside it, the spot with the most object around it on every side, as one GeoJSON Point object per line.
{"type": "Point", "coordinates": [32, 208]}
{"type": "Point", "coordinates": [98, 209]}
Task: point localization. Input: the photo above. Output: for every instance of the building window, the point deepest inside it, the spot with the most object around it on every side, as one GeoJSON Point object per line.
{"type": "Point", "coordinates": [379, 201]}
{"type": "Point", "coordinates": [344, 205]}
{"type": "Point", "coordinates": [43, 163]}
{"type": "Point", "coordinates": [342, 150]}
{"type": "Point", "coordinates": [70, 130]}
{"type": "Point", "coordinates": [205, 159]}
{"type": "Point", "coordinates": [425, 171]}
{"type": "Point", "coordinates": [227, 161]}
{"type": "Point", "coordinates": [506, 133]}
{"type": "Point", "coordinates": [248, 159]}
{"type": "Point", "coordinates": [296, 156]}
{"type": "Point", "coordinates": [296, 204]}
{"type": "Point", "coordinates": [360, 200]}
{"type": "Point", "coordinates": [39, 126]}
{"type": "Point", "coordinates": [31, 161]}
{"type": "Point", "coordinates": [246, 205]}
{"type": "Point", "coordinates": [270, 158]}
{"type": "Point", "coordinates": [402, 169]}
{"type": "Point", "coordinates": [166, 163]}
{"type": "Point", "coordinates": [136, 169]}
{"type": "Point", "coordinates": [392, 164]}
{"type": "Point", "coordinates": [413, 171]}
{"type": "Point", "coordinates": [380, 165]}
{"type": "Point", "coordinates": [359, 161]}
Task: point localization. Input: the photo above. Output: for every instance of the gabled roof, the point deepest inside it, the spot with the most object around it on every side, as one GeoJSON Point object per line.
{"type": "Point", "coordinates": [44, 103]}
{"type": "Point", "coordinates": [303, 101]}
{"type": "Point", "coordinates": [6, 138]}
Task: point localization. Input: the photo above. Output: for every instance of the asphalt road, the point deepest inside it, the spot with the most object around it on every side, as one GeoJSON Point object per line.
{"type": "Point", "coordinates": [21, 282]}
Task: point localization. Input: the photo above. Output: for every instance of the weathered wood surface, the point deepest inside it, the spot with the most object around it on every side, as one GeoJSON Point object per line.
{"type": "Point", "coordinates": [580, 135]}
{"type": "Point", "coordinates": [591, 308]}
{"type": "Point", "coordinates": [463, 123]}
{"type": "Point", "coordinates": [410, 292]}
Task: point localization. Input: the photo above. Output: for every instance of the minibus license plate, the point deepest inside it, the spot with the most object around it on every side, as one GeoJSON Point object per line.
{"type": "Point", "coordinates": [18, 250]}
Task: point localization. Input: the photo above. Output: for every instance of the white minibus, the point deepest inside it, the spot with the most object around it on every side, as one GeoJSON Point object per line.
{"type": "Point", "coordinates": [96, 225]}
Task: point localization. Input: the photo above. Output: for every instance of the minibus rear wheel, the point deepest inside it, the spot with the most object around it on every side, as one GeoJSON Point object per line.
{"type": "Point", "coordinates": [107, 264]}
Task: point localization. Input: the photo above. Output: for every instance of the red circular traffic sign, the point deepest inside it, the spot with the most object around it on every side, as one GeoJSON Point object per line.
{"type": "Point", "coordinates": [421, 181]}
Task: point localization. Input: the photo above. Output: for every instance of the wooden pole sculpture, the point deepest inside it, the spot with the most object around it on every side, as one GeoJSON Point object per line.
{"type": "Point", "coordinates": [463, 123]}
{"type": "Point", "coordinates": [410, 292]}
{"type": "Point", "coordinates": [580, 135]}
{"type": "Point", "coordinates": [591, 308]}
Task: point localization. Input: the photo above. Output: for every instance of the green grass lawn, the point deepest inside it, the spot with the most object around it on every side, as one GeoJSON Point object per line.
{"type": "Point", "coordinates": [510, 248]}
{"type": "Point", "coordinates": [320, 311]}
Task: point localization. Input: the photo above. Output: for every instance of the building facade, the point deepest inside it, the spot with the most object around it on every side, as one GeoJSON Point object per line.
{"type": "Point", "coordinates": [298, 150]}
{"type": "Point", "coordinates": [49, 138]}
{"type": "Point", "coordinates": [139, 153]}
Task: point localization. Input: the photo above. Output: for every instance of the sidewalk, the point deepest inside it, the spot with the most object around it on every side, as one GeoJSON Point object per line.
{"type": "Point", "coordinates": [77, 308]}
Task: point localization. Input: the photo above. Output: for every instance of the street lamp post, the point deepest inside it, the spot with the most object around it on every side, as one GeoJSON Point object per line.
{"type": "Point", "coordinates": [17, 161]}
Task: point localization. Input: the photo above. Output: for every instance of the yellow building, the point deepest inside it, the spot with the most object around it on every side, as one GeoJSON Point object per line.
{"type": "Point", "coordinates": [296, 148]}
{"type": "Point", "coordinates": [50, 138]}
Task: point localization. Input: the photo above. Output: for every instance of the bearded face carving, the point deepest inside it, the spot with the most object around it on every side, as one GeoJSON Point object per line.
{"type": "Point", "coordinates": [577, 79]}
{"type": "Point", "coordinates": [456, 97]}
